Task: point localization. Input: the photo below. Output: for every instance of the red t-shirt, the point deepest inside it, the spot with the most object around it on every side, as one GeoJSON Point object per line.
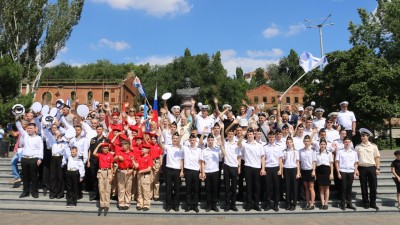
{"type": "Point", "coordinates": [127, 162]}
{"type": "Point", "coordinates": [116, 146]}
{"type": "Point", "coordinates": [137, 151]}
{"type": "Point", "coordinates": [155, 151]}
{"type": "Point", "coordinates": [105, 160]}
{"type": "Point", "coordinates": [144, 162]}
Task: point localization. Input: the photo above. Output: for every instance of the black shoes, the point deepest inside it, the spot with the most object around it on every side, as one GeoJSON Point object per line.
{"type": "Point", "coordinates": [196, 209]}
{"type": "Point", "coordinates": [276, 208]}
{"type": "Point", "coordinates": [234, 208]}
{"type": "Point", "coordinates": [208, 209]}
{"type": "Point", "coordinates": [308, 207]}
{"type": "Point", "coordinates": [215, 208]}
{"type": "Point", "coordinates": [267, 208]}
{"type": "Point", "coordinates": [105, 211]}
{"type": "Point", "coordinates": [324, 207]}
{"type": "Point", "coordinates": [293, 208]}
{"type": "Point", "coordinates": [374, 207]}
{"type": "Point", "coordinates": [24, 195]}
{"type": "Point", "coordinates": [35, 195]}
{"type": "Point", "coordinates": [226, 209]}
{"type": "Point", "coordinates": [187, 209]}
{"type": "Point", "coordinates": [350, 206]}
{"type": "Point", "coordinates": [257, 208]}
{"type": "Point", "coordinates": [176, 208]}
{"type": "Point", "coordinates": [145, 209]}
{"type": "Point", "coordinates": [168, 208]}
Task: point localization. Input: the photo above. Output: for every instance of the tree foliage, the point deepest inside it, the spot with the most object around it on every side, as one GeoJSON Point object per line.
{"type": "Point", "coordinates": [10, 77]}
{"type": "Point", "coordinates": [32, 32]}
{"type": "Point", "coordinates": [205, 72]}
{"type": "Point", "coordinates": [379, 30]}
{"type": "Point", "coordinates": [367, 82]}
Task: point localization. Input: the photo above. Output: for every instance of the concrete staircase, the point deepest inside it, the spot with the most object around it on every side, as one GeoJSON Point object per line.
{"type": "Point", "coordinates": [9, 199]}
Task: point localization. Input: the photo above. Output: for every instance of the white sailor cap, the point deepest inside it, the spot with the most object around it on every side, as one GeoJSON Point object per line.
{"type": "Point", "coordinates": [243, 122]}
{"type": "Point", "coordinates": [344, 103]}
{"type": "Point", "coordinates": [204, 107]}
{"type": "Point", "coordinates": [365, 131]}
{"type": "Point", "coordinates": [141, 107]}
{"type": "Point", "coordinates": [321, 110]}
{"type": "Point", "coordinates": [332, 114]}
{"type": "Point", "coordinates": [301, 108]}
{"type": "Point", "coordinates": [309, 108]}
{"type": "Point", "coordinates": [227, 106]}
{"type": "Point", "coordinates": [175, 107]}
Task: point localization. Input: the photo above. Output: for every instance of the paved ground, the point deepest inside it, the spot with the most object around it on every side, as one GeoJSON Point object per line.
{"type": "Point", "coordinates": [19, 218]}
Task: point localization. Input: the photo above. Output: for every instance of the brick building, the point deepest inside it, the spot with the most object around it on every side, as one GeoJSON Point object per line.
{"type": "Point", "coordinates": [115, 92]}
{"type": "Point", "coordinates": [270, 97]}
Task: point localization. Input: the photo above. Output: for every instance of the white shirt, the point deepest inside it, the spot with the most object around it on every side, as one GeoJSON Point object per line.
{"type": "Point", "coordinates": [33, 144]}
{"type": "Point", "coordinates": [332, 135]}
{"type": "Point", "coordinates": [232, 152]}
{"type": "Point", "coordinates": [319, 123]}
{"type": "Point", "coordinates": [191, 158]}
{"type": "Point", "coordinates": [167, 137]}
{"type": "Point", "coordinates": [174, 156]}
{"type": "Point", "coordinates": [290, 158]}
{"type": "Point", "coordinates": [281, 144]}
{"type": "Point", "coordinates": [324, 158]}
{"type": "Point", "coordinates": [73, 164]}
{"type": "Point", "coordinates": [307, 157]}
{"type": "Point", "coordinates": [82, 145]}
{"type": "Point", "coordinates": [272, 154]}
{"type": "Point", "coordinates": [347, 159]}
{"type": "Point", "coordinates": [307, 131]}
{"type": "Point", "coordinates": [346, 119]}
{"type": "Point", "coordinates": [59, 148]}
{"type": "Point", "coordinates": [298, 143]}
{"type": "Point", "coordinates": [90, 133]}
{"type": "Point", "coordinates": [202, 122]}
{"type": "Point", "coordinates": [252, 153]}
{"type": "Point", "coordinates": [211, 158]}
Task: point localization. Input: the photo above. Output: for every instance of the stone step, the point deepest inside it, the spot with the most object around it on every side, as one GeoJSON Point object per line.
{"type": "Point", "coordinates": [113, 211]}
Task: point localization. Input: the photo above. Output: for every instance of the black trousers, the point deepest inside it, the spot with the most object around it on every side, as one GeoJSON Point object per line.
{"type": "Point", "coordinates": [172, 181]}
{"type": "Point", "coordinates": [346, 186]}
{"type": "Point", "coordinates": [252, 186]}
{"type": "Point", "coordinates": [56, 177]}
{"type": "Point", "coordinates": [241, 181]}
{"type": "Point", "coordinates": [291, 184]}
{"type": "Point", "coordinates": [192, 187]}
{"type": "Point", "coordinates": [231, 181]}
{"type": "Point", "coordinates": [72, 180]}
{"type": "Point", "coordinates": [94, 167]}
{"type": "Point", "coordinates": [30, 170]}
{"type": "Point", "coordinates": [212, 181]}
{"type": "Point", "coordinates": [337, 181]}
{"type": "Point", "coordinates": [273, 182]}
{"type": "Point", "coordinates": [45, 178]}
{"type": "Point", "coordinates": [368, 178]}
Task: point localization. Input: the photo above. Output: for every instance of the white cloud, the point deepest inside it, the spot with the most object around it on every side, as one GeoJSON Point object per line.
{"type": "Point", "coordinates": [295, 29]}
{"type": "Point", "coordinates": [275, 52]}
{"type": "Point", "coordinates": [230, 60]}
{"type": "Point", "coordinates": [271, 31]}
{"type": "Point", "coordinates": [151, 7]}
{"type": "Point", "coordinates": [155, 60]}
{"type": "Point", "coordinates": [115, 45]}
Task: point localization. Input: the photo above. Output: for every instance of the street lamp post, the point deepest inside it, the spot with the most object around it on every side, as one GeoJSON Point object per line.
{"type": "Point", "coordinates": [313, 24]}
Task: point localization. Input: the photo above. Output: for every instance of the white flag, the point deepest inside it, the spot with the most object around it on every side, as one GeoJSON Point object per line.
{"type": "Point", "coordinates": [309, 62]}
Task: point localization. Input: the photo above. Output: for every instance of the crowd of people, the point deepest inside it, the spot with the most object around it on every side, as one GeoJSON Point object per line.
{"type": "Point", "coordinates": [262, 155]}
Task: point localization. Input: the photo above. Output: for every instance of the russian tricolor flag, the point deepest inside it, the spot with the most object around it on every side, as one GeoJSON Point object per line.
{"type": "Point", "coordinates": [155, 108]}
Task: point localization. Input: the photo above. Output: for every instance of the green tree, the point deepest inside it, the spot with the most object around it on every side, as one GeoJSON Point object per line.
{"type": "Point", "coordinates": [32, 32]}
{"type": "Point", "coordinates": [10, 76]}
{"type": "Point", "coordinates": [358, 76]}
{"type": "Point", "coordinates": [379, 30]}
{"type": "Point", "coordinates": [239, 73]}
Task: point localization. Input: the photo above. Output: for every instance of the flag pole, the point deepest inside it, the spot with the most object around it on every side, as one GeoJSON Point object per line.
{"type": "Point", "coordinates": [280, 98]}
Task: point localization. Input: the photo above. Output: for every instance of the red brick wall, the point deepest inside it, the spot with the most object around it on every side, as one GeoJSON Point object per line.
{"type": "Point", "coordinates": [269, 93]}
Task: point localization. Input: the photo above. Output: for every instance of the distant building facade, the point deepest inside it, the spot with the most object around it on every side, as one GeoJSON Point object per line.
{"type": "Point", "coordinates": [116, 92]}
{"type": "Point", "coordinates": [270, 97]}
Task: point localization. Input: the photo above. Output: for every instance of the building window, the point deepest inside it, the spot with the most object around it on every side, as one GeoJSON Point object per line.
{"type": "Point", "coordinates": [296, 99]}
{"type": "Point", "coordinates": [46, 98]}
{"type": "Point", "coordinates": [73, 95]}
{"type": "Point", "coordinates": [112, 100]}
{"type": "Point", "coordinates": [255, 99]}
{"type": "Point", "coordinates": [273, 99]}
{"type": "Point", "coordinates": [287, 99]}
{"type": "Point", "coordinates": [265, 99]}
{"type": "Point", "coordinates": [106, 96]}
{"type": "Point", "coordinates": [89, 97]}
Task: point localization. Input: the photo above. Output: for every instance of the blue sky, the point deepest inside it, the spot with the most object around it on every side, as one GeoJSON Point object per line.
{"type": "Point", "coordinates": [249, 34]}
